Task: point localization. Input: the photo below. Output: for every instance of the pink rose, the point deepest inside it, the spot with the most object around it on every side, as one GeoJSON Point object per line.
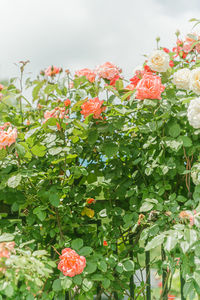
{"type": "Point", "coordinates": [149, 87]}
{"type": "Point", "coordinates": [89, 74]}
{"type": "Point", "coordinates": [108, 71]}
{"type": "Point", "coordinates": [71, 264]}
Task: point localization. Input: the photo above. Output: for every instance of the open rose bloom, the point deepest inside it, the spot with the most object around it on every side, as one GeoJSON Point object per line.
{"type": "Point", "coordinates": [108, 71]}
{"type": "Point", "coordinates": [7, 137]}
{"type": "Point", "coordinates": [71, 264]}
{"type": "Point", "coordinates": [89, 74]}
{"type": "Point", "coordinates": [93, 106]}
{"type": "Point", "coordinates": [149, 87]}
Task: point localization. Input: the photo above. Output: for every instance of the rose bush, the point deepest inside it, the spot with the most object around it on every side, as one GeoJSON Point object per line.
{"type": "Point", "coordinates": [101, 172]}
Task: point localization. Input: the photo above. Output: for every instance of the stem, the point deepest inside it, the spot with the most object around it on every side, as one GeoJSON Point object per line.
{"type": "Point", "coordinates": [182, 280]}
{"type": "Point", "coordinates": [132, 286]}
{"type": "Point", "coordinates": [148, 275]}
{"type": "Point", "coordinates": [164, 295]}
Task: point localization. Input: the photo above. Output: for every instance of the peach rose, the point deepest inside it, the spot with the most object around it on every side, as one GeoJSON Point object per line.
{"type": "Point", "coordinates": [89, 74]}
{"type": "Point", "coordinates": [149, 87]}
{"type": "Point", "coordinates": [57, 112]}
{"type": "Point", "coordinates": [71, 264]}
{"type": "Point", "coordinates": [7, 138]}
{"type": "Point", "coordinates": [6, 248]}
{"type": "Point", "coordinates": [107, 71]}
{"type": "Point", "coordinates": [93, 106]}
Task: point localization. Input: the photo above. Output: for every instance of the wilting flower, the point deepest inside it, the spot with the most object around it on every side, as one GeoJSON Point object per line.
{"type": "Point", "coordinates": [71, 264]}
{"type": "Point", "coordinates": [89, 74]}
{"type": "Point", "coordinates": [193, 113]}
{"type": "Point", "coordinates": [181, 78]}
{"type": "Point", "coordinates": [159, 61]}
{"type": "Point", "coordinates": [149, 87]}
{"type": "Point", "coordinates": [93, 106]}
{"type": "Point", "coordinates": [107, 71]}
{"type": "Point", "coordinates": [6, 249]}
{"type": "Point", "coordinates": [52, 71]}
{"type": "Point", "coordinates": [7, 137]}
{"type": "Point", "coordinates": [195, 81]}
{"type": "Point", "coordinates": [57, 112]}
{"type": "Point", "coordinates": [88, 212]}
{"type": "Point", "coordinates": [187, 215]}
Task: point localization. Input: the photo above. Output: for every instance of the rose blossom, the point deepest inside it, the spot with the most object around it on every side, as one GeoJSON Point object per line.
{"type": "Point", "coordinates": [149, 87]}
{"type": "Point", "coordinates": [195, 173]}
{"type": "Point", "coordinates": [71, 264]}
{"type": "Point", "coordinates": [181, 78]}
{"type": "Point", "coordinates": [193, 113]}
{"type": "Point", "coordinates": [57, 112]}
{"type": "Point", "coordinates": [159, 61]}
{"type": "Point", "coordinates": [195, 81]}
{"type": "Point", "coordinates": [89, 74]}
{"type": "Point", "coordinates": [7, 138]}
{"type": "Point", "coordinates": [52, 70]}
{"type": "Point", "coordinates": [107, 71]}
{"type": "Point", "coordinates": [6, 248]}
{"type": "Point", "coordinates": [93, 106]}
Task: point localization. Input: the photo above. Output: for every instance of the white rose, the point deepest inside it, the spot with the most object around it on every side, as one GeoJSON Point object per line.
{"type": "Point", "coordinates": [195, 81]}
{"type": "Point", "coordinates": [181, 79]}
{"type": "Point", "coordinates": [195, 174]}
{"type": "Point", "coordinates": [159, 61]}
{"type": "Point", "coordinates": [193, 113]}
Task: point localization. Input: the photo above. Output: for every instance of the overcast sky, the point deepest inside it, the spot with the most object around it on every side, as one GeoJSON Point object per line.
{"type": "Point", "coordinates": [84, 33]}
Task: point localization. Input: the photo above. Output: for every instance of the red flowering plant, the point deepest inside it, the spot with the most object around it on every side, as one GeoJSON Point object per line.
{"type": "Point", "coordinates": [104, 170]}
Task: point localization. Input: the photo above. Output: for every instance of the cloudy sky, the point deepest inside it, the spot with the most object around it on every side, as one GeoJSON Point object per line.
{"type": "Point", "coordinates": [84, 33]}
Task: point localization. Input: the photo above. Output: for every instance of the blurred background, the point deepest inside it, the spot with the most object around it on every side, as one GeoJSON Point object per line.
{"type": "Point", "coordinates": [75, 34]}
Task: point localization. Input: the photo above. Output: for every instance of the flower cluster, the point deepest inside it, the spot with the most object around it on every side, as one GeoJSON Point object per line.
{"type": "Point", "coordinates": [89, 74]}
{"type": "Point", "coordinates": [71, 264]}
{"type": "Point", "coordinates": [7, 137]}
{"type": "Point", "coordinates": [57, 112]}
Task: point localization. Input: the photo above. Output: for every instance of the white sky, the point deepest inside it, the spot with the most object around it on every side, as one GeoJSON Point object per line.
{"type": "Point", "coordinates": [76, 34]}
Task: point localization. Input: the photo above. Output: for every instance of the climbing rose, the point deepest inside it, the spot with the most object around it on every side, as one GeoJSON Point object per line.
{"type": "Point", "coordinates": [93, 106]}
{"type": "Point", "coordinates": [67, 102]}
{"type": "Point", "coordinates": [193, 113]}
{"type": "Point", "coordinates": [195, 81]}
{"type": "Point", "coordinates": [89, 74]}
{"type": "Point", "coordinates": [105, 244]}
{"type": "Point", "coordinates": [159, 61]}
{"type": "Point", "coordinates": [181, 78]}
{"type": "Point", "coordinates": [52, 70]}
{"type": "Point", "coordinates": [71, 264]}
{"type": "Point", "coordinates": [107, 71]}
{"type": "Point", "coordinates": [149, 87]}
{"type": "Point", "coordinates": [7, 137]}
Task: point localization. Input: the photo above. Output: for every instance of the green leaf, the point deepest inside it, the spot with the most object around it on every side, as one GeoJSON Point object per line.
{"type": "Point", "coordinates": [6, 237]}
{"type": "Point", "coordinates": [66, 283]}
{"type": "Point", "coordinates": [126, 95]}
{"type": "Point", "coordinates": [9, 291]}
{"type": "Point", "coordinates": [106, 283]}
{"type": "Point", "coordinates": [158, 240]}
{"type": "Point", "coordinates": [54, 199]}
{"type": "Point", "coordinates": [55, 150]}
{"type": "Point", "coordinates": [14, 181]}
{"type": "Point", "coordinates": [187, 142]}
{"type": "Point", "coordinates": [77, 244]}
{"type": "Point", "coordinates": [57, 285]}
{"type": "Point", "coordinates": [174, 130]}
{"type": "Point", "coordinates": [77, 279]}
{"type": "Point", "coordinates": [102, 266]}
{"type": "Point", "coordinates": [146, 206]}
{"type": "Point", "coordinates": [3, 153]}
{"type": "Point", "coordinates": [171, 242]}
{"type": "Point", "coordinates": [41, 215]}
{"type": "Point", "coordinates": [128, 266]}
{"type": "Point", "coordinates": [85, 251]}
{"type": "Point", "coordinates": [110, 149]}
{"type": "Point", "coordinates": [92, 137]}
{"type": "Point", "coordinates": [90, 267]}
{"type": "Point", "coordinates": [38, 150]}
{"type": "Point", "coordinates": [87, 285]}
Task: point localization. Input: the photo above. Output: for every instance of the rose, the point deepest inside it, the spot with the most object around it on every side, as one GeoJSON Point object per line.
{"type": "Point", "coordinates": [107, 71]}
{"type": "Point", "coordinates": [195, 173]}
{"type": "Point", "coordinates": [71, 263]}
{"type": "Point", "coordinates": [93, 106]}
{"type": "Point", "coordinates": [195, 81]}
{"type": "Point", "coordinates": [52, 71]}
{"type": "Point", "coordinates": [193, 113]}
{"type": "Point", "coordinates": [159, 61]}
{"type": "Point", "coordinates": [181, 78]}
{"type": "Point", "coordinates": [149, 87]}
{"type": "Point", "coordinates": [89, 74]}
{"type": "Point", "coordinates": [7, 138]}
